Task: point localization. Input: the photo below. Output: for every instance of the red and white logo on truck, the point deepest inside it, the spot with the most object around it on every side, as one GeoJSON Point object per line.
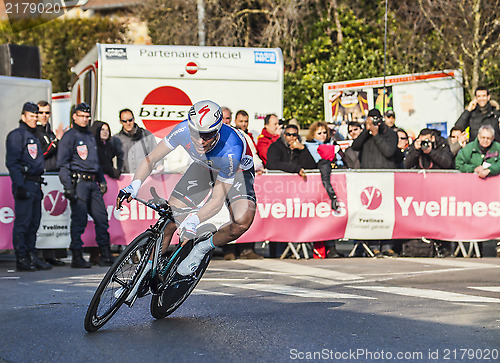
{"type": "Point", "coordinates": [163, 108]}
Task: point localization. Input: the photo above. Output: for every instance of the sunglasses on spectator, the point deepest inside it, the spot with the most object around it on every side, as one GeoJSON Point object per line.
{"type": "Point", "coordinates": [321, 132]}
{"type": "Point", "coordinates": [403, 138]}
{"type": "Point", "coordinates": [129, 120]}
{"type": "Point", "coordinates": [289, 134]}
{"type": "Point", "coordinates": [352, 130]}
{"type": "Point", "coordinates": [44, 112]}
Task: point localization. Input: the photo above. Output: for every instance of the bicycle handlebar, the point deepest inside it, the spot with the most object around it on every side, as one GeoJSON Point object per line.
{"type": "Point", "coordinates": [158, 204]}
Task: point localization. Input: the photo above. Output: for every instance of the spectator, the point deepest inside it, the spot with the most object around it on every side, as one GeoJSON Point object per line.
{"type": "Point", "coordinates": [390, 120]}
{"type": "Point", "coordinates": [25, 162]}
{"type": "Point", "coordinates": [481, 156]}
{"type": "Point", "coordinates": [403, 144]}
{"type": "Point", "coordinates": [377, 144]}
{"type": "Point", "coordinates": [270, 133]}
{"type": "Point", "coordinates": [244, 250]}
{"type": "Point", "coordinates": [226, 115]}
{"type": "Point", "coordinates": [289, 154]}
{"type": "Point", "coordinates": [48, 140]}
{"type": "Point", "coordinates": [136, 142]}
{"type": "Point", "coordinates": [241, 123]}
{"type": "Point", "coordinates": [108, 148]}
{"type": "Point", "coordinates": [457, 139]}
{"type": "Point", "coordinates": [351, 156]}
{"type": "Point", "coordinates": [480, 111]}
{"type": "Point", "coordinates": [323, 151]}
{"type": "Point", "coordinates": [429, 151]}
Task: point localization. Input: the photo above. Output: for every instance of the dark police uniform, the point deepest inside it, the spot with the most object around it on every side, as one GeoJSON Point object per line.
{"type": "Point", "coordinates": [24, 159]}
{"type": "Point", "coordinates": [79, 173]}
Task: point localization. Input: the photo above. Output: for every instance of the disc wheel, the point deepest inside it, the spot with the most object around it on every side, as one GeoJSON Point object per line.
{"type": "Point", "coordinates": [177, 287]}
{"type": "Point", "coordinates": [117, 282]}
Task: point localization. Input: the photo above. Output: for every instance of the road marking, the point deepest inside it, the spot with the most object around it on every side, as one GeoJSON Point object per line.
{"type": "Point", "coordinates": [452, 262]}
{"type": "Point", "coordinates": [298, 270]}
{"type": "Point", "coordinates": [10, 277]}
{"type": "Point", "coordinates": [206, 292]}
{"type": "Point", "coordinates": [297, 291]}
{"type": "Point", "coordinates": [429, 294]}
{"type": "Point", "coordinates": [231, 279]}
{"type": "Point", "coordinates": [486, 288]}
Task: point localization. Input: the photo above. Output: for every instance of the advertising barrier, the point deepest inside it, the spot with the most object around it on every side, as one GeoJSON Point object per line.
{"type": "Point", "coordinates": [374, 205]}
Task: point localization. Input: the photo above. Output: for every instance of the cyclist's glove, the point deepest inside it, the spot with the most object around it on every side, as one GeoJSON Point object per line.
{"type": "Point", "coordinates": [129, 191]}
{"type": "Point", "coordinates": [187, 229]}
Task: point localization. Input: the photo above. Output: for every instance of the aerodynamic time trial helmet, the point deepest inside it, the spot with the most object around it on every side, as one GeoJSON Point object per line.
{"type": "Point", "coordinates": [205, 119]}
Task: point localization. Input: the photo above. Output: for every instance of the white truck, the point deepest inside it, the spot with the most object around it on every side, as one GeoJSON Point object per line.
{"type": "Point", "coordinates": [159, 83]}
{"type": "Point", "coordinates": [420, 100]}
{"type": "Point", "coordinates": [14, 92]}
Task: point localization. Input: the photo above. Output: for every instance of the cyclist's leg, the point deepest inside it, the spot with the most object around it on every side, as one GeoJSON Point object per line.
{"type": "Point", "coordinates": [188, 193]}
{"type": "Point", "coordinates": [241, 202]}
{"type": "Point", "coordinates": [241, 205]}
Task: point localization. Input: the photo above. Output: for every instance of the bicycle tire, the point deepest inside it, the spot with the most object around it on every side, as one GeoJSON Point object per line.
{"type": "Point", "coordinates": [178, 287]}
{"type": "Point", "coordinates": [125, 269]}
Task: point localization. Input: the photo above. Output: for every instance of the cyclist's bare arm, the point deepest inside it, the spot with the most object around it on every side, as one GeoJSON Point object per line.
{"type": "Point", "coordinates": [215, 203]}
{"type": "Point", "coordinates": [147, 165]}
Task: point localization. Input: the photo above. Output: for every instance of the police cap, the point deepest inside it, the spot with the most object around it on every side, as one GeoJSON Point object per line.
{"type": "Point", "coordinates": [82, 107]}
{"type": "Point", "coordinates": [30, 107]}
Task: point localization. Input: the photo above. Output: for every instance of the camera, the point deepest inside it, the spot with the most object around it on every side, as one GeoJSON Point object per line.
{"type": "Point", "coordinates": [426, 144]}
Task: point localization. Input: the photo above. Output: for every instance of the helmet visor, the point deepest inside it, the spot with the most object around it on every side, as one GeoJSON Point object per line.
{"type": "Point", "coordinates": [203, 135]}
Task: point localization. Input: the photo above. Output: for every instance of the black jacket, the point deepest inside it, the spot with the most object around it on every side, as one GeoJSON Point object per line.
{"type": "Point", "coordinates": [281, 157]}
{"type": "Point", "coordinates": [107, 150]}
{"type": "Point", "coordinates": [440, 156]}
{"type": "Point", "coordinates": [23, 155]}
{"type": "Point", "coordinates": [478, 118]}
{"type": "Point", "coordinates": [379, 151]}
{"type": "Point", "coordinates": [49, 146]}
{"type": "Point", "coordinates": [77, 152]}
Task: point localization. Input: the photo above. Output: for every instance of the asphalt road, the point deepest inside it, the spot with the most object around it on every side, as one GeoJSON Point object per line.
{"type": "Point", "coordinates": [355, 310]}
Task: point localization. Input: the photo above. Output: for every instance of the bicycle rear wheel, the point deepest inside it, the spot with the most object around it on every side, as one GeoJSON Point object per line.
{"type": "Point", "coordinates": [178, 287]}
{"type": "Point", "coordinates": [117, 282]}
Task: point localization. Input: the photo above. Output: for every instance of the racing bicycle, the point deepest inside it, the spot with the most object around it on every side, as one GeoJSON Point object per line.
{"type": "Point", "coordinates": [123, 284]}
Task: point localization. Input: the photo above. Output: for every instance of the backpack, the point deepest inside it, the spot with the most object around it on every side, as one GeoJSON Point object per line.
{"type": "Point", "coordinates": [418, 248]}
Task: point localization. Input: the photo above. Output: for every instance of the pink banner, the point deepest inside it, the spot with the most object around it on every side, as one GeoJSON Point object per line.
{"type": "Point", "coordinates": [455, 207]}
{"type": "Point", "coordinates": [444, 206]}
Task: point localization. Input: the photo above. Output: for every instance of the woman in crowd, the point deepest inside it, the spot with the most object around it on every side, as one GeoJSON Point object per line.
{"type": "Point", "coordinates": [323, 151]}
{"type": "Point", "coordinates": [108, 148]}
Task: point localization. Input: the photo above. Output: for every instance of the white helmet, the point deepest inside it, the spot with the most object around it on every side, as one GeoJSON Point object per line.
{"type": "Point", "coordinates": [205, 117]}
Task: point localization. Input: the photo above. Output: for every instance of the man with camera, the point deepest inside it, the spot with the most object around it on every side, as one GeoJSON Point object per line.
{"type": "Point", "coordinates": [429, 151]}
{"type": "Point", "coordinates": [377, 144]}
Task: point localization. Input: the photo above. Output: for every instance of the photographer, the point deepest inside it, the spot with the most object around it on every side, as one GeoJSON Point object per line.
{"type": "Point", "coordinates": [377, 144]}
{"type": "Point", "coordinates": [429, 151]}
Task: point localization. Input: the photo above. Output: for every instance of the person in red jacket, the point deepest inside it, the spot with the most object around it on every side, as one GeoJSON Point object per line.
{"type": "Point", "coordinates": [270, 133]}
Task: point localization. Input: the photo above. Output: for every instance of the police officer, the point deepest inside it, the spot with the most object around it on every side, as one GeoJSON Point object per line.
{"type": "Point", "coordinates": [84, 185]}
{"type": "Point", "coordinates": [24, 159]}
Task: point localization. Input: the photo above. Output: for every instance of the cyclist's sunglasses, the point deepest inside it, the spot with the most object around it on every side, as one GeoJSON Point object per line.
{"type": "Point", "coordinates": [205, 136]}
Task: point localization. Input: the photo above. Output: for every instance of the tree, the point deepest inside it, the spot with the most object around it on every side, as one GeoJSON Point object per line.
{"type": "Point", "coordinates": [468, 31]}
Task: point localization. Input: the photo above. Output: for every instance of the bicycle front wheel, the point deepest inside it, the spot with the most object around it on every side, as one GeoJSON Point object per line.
{"type": "Point", "coordinates": [117, 282]}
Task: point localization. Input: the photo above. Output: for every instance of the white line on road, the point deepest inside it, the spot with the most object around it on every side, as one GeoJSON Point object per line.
{"type": "Point", "coordinates": [486, 288]}
{"type": "Point", "coordinates": [298, 270]}
{"type": "Point", "coordinates": [206, 292]}
{"type": "Point", "coordinates": [297, 291]}
{"type": "Point", "coordinates": [452, 262]}
{"type": "Point", "coordinates": [9, 277]}
{"type": "Point", "coordinates": [429, 294]}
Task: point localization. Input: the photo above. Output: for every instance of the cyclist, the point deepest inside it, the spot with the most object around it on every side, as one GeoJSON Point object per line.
{"type": "Point", "coordinates": [222, 164]}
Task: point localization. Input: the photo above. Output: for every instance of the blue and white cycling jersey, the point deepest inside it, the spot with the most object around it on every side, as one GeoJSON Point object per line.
{"type": "Point", "coordinates": [229, 153]}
